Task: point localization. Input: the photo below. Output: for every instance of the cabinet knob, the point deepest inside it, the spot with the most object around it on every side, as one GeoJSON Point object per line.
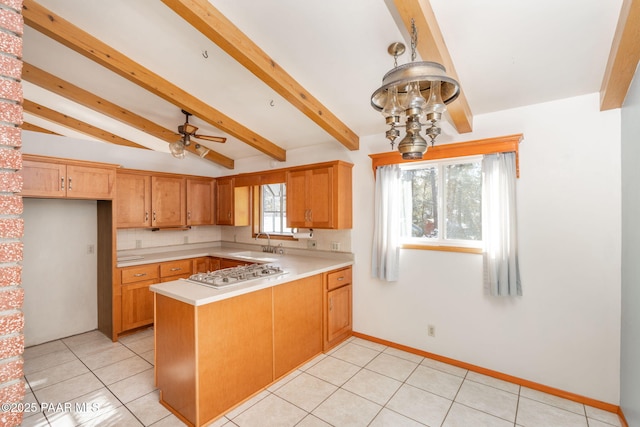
{"type": "Point", "coordinates": [189, 215]}
{"type": "Point", "coordinates": [146, 216]}
{"type": "Point", "coordinates": [154, 216]}
{"type": "Point", "coordinates": [176, 269]}
{"type": "Point", "coordinates": [62, 183]}
{"type": "Point", "coordinates": [139, 274]}
{"type": "Point", "coordinates": [69, 183]}
{"type": "Point", "coordinates": [341, 278]}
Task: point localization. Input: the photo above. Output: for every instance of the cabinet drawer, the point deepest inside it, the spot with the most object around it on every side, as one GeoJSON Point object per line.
{"type": "Point", "coordinates": [335, 279]}
{"type": "Point", "coordinates": [139, 273]}
{"type": "Point", "coordinates": [175, 268]}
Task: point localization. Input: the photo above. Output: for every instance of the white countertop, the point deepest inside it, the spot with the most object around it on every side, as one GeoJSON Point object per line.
{"type": "Point", "coordinates": [297, 266]}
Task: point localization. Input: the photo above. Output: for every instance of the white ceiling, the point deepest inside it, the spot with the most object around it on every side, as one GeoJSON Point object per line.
{"type": "Point", "coordinates": [507, 53]}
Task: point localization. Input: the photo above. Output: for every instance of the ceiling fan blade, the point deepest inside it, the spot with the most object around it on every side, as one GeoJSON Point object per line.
{"type": "Point", "coordinates": [187, 129]}
{"type": "Point", "coordinates": [220, 139]}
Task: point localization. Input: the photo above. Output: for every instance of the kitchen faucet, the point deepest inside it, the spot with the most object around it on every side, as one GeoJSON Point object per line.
{"type": "Point", "coordinates": [267, 248]}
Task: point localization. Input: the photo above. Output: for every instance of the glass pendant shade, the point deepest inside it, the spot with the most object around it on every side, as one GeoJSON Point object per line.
{"type": "Point", "coordinates": [392, 106]}
{"type": "Point", "coordinates": [415, 100]}
{"type": "Point", "coordinates": [435, 104]}
{"type": "Point", "coordinates": [177, 149]}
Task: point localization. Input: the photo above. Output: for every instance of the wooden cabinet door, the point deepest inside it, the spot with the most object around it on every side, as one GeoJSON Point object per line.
{"type": "Point", "coordinates": [137, 304]}
{"type": "Point", "coordinates": [168, 201]}
{"type": "Point", "coordinates": [297, 323]}
{"type": "Point", "coordinates": [320, 197]}
{"type": "Point", "coordinates": [90, 182]}
{"type": "Point", "coordinates": [224, 201]}
{"type": "Point", "coordinates": [201, 265]}
{"type": "Point", "coordinates": [338, 312]}
{"type": "Point", "coordinates": [42, 179]}
{"type": "Point", "coordinates": [200, 202]}
{"type": "Point", "coordinates": [297, 211]}
{"type": "Point", "coordinates": [133, 200]}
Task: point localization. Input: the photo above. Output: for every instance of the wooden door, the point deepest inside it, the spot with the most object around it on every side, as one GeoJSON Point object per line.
{"type": "Point", "coordinates": [41, 179]}
{"type": "Point", "coordinates": [133, 200]}
{"type": "Point", "coordinates": [90, 182]}
{"type": "Point", "coordinates": [200, 202]}
{"type": "Point", "coordinates": [168, 201]}
{"type": "Point", "coordinates": [338, 312]}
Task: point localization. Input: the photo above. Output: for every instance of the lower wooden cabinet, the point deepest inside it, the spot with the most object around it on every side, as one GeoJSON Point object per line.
{"type": "Point", "coordinates": [337, 303]}
{"type": "Point", "coordinates": [132, 299]}
{"type": "Point", "coordinates": [201, 265]}
{"type": "Point", "coordinates": [174, 270]}
{"type": "Point", "coordinates": [136, 299]}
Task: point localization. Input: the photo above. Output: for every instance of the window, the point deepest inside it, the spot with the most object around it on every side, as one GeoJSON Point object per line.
{"type": "Point", "coordinates": [442, 202]}
{"type": "Point", "coordinates": [273, 209]}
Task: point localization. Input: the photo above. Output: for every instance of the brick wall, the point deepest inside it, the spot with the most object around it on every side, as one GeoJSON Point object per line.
{"type": "Point", "coordinates": [12, 387]}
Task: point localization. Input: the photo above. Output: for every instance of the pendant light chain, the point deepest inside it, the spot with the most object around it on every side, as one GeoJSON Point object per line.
{"type": "Point", "coordinates": [414, 39]}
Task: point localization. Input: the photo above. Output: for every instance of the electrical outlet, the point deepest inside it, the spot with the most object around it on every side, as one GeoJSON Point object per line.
{"type": "Point", "coordinates": [335, 246]}
{"type": "Point", "coordinates": [91, 249]}
{"type": "Point", "coordinates": [312, 244]}
{"type": "Point", "coordinates": [431, 330]}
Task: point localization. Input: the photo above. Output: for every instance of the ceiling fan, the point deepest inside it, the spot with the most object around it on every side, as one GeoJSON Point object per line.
{"type": "Point", "coordinates": [188, 131]}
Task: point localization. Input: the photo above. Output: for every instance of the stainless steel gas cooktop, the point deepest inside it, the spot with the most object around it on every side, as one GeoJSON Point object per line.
{"type": "Point", "coordinates": [236, 275]}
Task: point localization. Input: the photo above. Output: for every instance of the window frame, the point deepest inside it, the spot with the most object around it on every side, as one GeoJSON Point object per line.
{"type": "Point", "coordinates": [502, 144]}
{"type": "Point", "coordinates": [442, 240]}
{"type": "Point", "coordinates": [256, 223]}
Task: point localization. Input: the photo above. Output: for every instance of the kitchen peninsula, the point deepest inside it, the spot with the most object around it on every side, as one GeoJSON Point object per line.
{"type": "Point", "coordinates": [214, 348]}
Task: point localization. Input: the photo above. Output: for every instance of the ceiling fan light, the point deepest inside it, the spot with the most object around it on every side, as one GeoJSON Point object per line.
{"type": "Point", "coordinates": [177, 149]}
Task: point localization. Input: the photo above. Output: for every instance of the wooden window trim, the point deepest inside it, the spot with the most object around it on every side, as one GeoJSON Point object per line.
{"type": "Point", "coordinates": [443, 248]}
{"type": "Point", "coordinates": [502, 144]}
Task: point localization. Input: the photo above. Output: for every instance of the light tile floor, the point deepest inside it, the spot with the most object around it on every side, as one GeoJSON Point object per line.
{"type": "Point", "coordinates": [88, 380]}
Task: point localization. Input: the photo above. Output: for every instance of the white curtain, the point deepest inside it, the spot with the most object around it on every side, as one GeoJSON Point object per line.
{"type": "Point", "coordinates": [385, 255]}
{"type": "Point", "coordinates": [499, 228]}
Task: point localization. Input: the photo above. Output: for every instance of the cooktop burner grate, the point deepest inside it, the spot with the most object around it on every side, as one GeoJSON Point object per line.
{"type": "Point", "coordinates": [236, 275]}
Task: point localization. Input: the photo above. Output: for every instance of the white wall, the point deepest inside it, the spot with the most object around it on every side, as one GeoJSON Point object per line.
{"type": "Point", "coordinates": [630, 349]}
{"type": "Point", "coordinates": [565, 331]}
{"type": "Point", "coordinates": [59, 276]}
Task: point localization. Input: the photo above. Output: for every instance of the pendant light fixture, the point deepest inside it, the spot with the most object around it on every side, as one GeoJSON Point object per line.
{"type": "Point", "coordinates": [414, 95]}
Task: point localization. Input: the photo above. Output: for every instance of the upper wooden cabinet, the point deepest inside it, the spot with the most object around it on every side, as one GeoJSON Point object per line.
{"type": "Point", "coordinates": [319, 196]}
{"type": "Point", "coordinates": [146, 199]}
{"type": "Point", "coordinates": [200, 201]}
{"type": "Point", "coordinates": [133, 200]}
{"type": "Point", "coordinates": [51, 177]}
{"type": "Point", "coordinates": [232, 203]}
{"type": "Point", "coordinates": [168, 201]}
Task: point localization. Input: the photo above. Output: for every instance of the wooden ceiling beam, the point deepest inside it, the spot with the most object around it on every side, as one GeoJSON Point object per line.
{"type": "Point", "coordinates": [432, 47]}
{"type": "Point", "coordinates": [76, 94]}
{"type": "Point", "coordinates": [36, 128]}
{"type": "Point", "coordinates": [75, 124]}
{"type": "Point", "coordinates": [623, 57]}
{"type": "Point", "coordinates": [55, 27]}
{"type": "Point", "coordinates": [209, 21]}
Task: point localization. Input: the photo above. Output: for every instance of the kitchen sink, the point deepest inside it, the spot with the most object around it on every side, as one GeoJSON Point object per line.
{"type": "Point", "coordinates": [254, 255]}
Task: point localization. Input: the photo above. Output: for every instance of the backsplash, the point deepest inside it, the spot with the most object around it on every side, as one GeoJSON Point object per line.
{"type": "Point", "coordinates": [324, 239]}
{"type": "Point", "coordinates": [132, 238]}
